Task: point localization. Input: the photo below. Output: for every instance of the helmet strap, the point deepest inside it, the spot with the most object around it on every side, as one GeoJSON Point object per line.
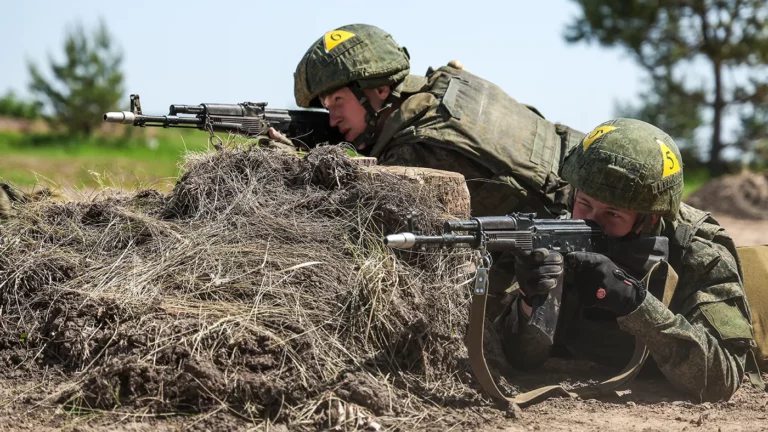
{"type": "Point", "coordinates": [645, 225]}
{"type": "Point", "coordinates": [371, 115]}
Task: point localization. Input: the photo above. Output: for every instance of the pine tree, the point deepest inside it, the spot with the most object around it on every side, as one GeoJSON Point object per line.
{"type": "Point", "coordinates": [88, 83]}
{"type": "Point", "coordinates": [668, 38]}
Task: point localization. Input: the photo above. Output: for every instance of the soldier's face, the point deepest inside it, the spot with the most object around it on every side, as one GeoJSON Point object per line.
{"type": "Point", "coordinates": [347, 114]}
{"type": "Point", "coordinates": [615, 222]}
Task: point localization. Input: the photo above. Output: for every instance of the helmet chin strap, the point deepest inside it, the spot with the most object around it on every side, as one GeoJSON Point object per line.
{"type": "Point", "coordinates": [368, 136]}
{"type": "Point", "coordinates": [644, 226]}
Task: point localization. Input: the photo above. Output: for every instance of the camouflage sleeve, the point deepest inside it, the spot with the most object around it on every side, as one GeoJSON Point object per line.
{"type": "Point", "coordinates": [524, 348]}
{"type": "Point", "coordinates": [702, 353]}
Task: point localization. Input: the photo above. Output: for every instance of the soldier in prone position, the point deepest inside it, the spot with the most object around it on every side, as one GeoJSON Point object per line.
{"type": "Point", "coordinates": [627, 177]}
{"type": "Point", "coordinates": [449, 119]}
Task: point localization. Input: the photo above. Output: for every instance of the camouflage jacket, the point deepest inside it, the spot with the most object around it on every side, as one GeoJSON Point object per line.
{"type": "Point", "coordinates": [455, 121]}
{"type": "Point", "coordinates": [699, 343]}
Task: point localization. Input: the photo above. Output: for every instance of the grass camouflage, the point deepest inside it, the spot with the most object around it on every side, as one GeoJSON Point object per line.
{"type": "Point", "coordinates": [258, 287]}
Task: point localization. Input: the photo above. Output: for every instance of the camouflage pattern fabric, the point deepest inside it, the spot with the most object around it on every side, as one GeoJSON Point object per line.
{"type": "Point", "coordinates": [510, 156]}
{"type": "Point", "coordinates": [356, 53]}
{"type": "Point", "coordinates": [610, 166]}
{"type": "Point", "coordinates": [453, 120]}
{"type": "Point", "coordinates": [699, 343]}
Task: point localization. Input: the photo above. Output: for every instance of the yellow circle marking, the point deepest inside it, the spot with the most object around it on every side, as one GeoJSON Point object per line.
{"type": "Point", "coordinates": [335, 37]}
{"type": "Point", "coordinates": [671, 164]}
{"type": "Point", "coordinates": [596, 133]}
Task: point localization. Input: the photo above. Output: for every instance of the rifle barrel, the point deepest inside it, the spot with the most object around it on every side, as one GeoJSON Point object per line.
{"type": "Point", "coordinates": [408, 240]}
{"type": "Point", "coordinates": [127, 117]}
{"type": "Point", "coordinates": [121, 117]}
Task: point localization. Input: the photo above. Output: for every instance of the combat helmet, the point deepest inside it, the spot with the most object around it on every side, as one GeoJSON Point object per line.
{"type": "Point", "coordinates": [359, 54]}
{"type": "Point", "coordinates": [629, 164]}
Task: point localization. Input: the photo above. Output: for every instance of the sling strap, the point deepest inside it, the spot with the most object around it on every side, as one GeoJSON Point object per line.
{"type": "Point", "coordinates": [662, 272]}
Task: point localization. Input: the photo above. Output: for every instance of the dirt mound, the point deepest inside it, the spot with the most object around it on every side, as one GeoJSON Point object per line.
{"type": "Point", "coordinates": [742, 196]}
{"type": "Point", "coordinates": [259, 286]}
{"type": "Point", "coordinates": [258, 295]}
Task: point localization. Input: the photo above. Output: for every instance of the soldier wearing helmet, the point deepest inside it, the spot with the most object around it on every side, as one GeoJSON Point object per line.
{"type": "Point", "coordinates": [449, 119]}
{"type": "Point", "coordinates": [627, 176]}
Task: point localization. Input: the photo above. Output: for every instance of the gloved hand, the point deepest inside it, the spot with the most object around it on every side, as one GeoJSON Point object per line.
{"type": "Point", "coordinates": [601, 283]}
{"type": "Point", "coordinates": [538, 273]}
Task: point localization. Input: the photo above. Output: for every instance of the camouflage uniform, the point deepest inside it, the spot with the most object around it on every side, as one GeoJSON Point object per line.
{"type": "Point", "coordinates": [449, 120]}
{"type": "Point", "coordinates": [700, 342]}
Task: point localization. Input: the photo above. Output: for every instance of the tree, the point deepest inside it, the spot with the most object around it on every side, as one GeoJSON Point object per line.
{"type": "Point", "coordinates": [668, 38]}
{"type": "Point", "coordinates": [12, 106]}
{"type": "Point", "coordinates": [86, 84]}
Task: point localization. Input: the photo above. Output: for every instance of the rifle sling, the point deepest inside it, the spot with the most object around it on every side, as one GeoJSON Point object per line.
{"type": "Point", "coordinates": [480, 368]}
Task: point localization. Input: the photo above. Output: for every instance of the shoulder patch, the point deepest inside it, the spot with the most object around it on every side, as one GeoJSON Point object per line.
{"type": "Point", "coordinates": [727, 320]}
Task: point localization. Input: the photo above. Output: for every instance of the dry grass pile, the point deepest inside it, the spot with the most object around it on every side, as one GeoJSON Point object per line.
{"type": "Point", "coordinates": [258, 287]}
{"type": "Point", "coordinates": [742, 196]}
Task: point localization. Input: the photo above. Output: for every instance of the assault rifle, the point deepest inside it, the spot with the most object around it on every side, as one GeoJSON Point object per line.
{"type": "Point", "coordinates": [304, 127]}
{"type": "Point", "coordinates": [521, 234]}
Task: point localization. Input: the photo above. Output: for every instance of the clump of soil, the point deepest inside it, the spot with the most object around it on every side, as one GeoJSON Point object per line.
{"type": "Point", "coordinates": [259, 285]}
{"type": "Point", "coordinates": [742, 196]}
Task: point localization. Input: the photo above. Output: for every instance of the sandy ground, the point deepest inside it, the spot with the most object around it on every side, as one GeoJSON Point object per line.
{"type": "Point", "coordinates": [745, 232]}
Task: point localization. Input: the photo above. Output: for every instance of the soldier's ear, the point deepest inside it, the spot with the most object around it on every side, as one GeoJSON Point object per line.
{"type": "Point", "coordinates": [383, 92]}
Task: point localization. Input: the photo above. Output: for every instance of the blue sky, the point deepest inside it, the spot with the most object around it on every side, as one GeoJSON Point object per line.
{"type": "Point", "coordinates": [231, 51]}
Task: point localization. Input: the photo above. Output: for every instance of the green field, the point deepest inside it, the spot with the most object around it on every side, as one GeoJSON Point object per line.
{"type": "Point", "coordinates": [140, 159]}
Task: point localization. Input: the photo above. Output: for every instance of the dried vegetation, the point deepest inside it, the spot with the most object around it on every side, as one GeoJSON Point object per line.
{"type": "Point", "coordinates": [258, 287]}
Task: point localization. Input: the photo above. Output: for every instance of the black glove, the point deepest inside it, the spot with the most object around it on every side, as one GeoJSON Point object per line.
{"type": "Point", "coordinates": [602, 284]}
{"type": "Point", "coordinates": [538, 273]}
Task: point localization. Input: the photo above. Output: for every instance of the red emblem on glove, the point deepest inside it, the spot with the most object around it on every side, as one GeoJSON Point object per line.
{"type": "Point", "coordinates": [601, 293]}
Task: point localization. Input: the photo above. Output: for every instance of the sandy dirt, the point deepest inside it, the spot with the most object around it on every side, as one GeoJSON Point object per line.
{"type": "Point", "coordinates": [745, 232]}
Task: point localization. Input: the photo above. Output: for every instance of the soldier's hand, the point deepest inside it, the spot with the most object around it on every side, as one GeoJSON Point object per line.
{"type": "Point", "coordinates": [277, 136]}
{"type": "Point", "coordinates": [538, 273]}
{"type": "Point", "coordinates": [601, 283]}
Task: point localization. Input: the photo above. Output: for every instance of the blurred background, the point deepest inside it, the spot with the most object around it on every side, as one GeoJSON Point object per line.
{"type": "Point", "coordinates": [696, 69]}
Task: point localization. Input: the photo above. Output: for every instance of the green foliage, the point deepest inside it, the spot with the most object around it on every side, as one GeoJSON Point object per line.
{"type": "Point", "coordinates": [694, 177]}
{"type": "Point", "coordinates": [668, 38]}
{"type": "Point", "coordinates": [133, 161]}
{"type": "Point", "coordinates": [86, 84]}
{"type": "Point", "coordinates": [12, 106]}
{"type": "Point", "coordinates": [754, 133]}
{"type": "Point", "coordinates": [670, 107]}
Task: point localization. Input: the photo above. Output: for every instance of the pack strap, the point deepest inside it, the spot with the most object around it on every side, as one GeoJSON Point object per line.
{"type": "Point", "coordinates": [661, 271]}
{"type": "Point", "coordinates": [753, 372]}
{"type": "Point", "coordinates": [684, 233]}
